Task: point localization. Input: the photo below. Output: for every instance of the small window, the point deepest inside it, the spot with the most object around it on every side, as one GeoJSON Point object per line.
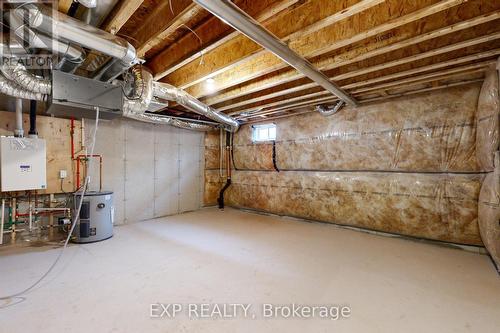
{"type": "Point", "coordinates": [264, 132]}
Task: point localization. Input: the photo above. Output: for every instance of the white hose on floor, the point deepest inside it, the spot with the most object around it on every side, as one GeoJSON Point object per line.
{"type": "Point", "coordinates": [75, 221]}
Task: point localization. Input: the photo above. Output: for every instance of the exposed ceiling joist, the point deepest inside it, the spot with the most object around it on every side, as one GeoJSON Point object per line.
{"type": "Point", "coordinates": [165, 19]}
{"type": "Point", "coordinates": [435, 85]}
{"type": "Point", "coordinates": [239, 50]}
{"type": "Point", "coordinates": [393, 84]}
{"type": "Point", "coordinates": [373, 48]}
{"type": "Point", "coordinates": [210, 35]}
{"type": "Point", "coordinates": [120, 15]}
{"type": "Point", "coordinates": [239, 20]}
{"type": "Point", "coordinates": [308, 109]}
{"type": "Point", "coordinates": [390, 77]}
{"type": "Point", "coordinates": [332, 39]}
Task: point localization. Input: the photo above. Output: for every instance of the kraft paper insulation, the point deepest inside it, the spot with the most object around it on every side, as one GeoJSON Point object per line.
{"type": "Point", "coordinates": [439, 207]}
{"type": "Point", "coordinates": [411, 166]}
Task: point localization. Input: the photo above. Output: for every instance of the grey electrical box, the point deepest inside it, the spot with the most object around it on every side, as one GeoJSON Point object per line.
{"type": "Point", "coordinates": [76, 96]}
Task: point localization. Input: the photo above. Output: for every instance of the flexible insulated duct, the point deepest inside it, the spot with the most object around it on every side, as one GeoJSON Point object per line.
{"type": "Point", "coordinates": [171, 93]}
{"type": "Point", "coordinates": [18, 73]}
{"type": "Point", "coordinates": [328, 111]}
{"type": "Point", "coordinates": [151, 118]}
{"type": "Point", "coordinates": [135, 107]}
{"type": "Point", "coordinates": [11, 88]}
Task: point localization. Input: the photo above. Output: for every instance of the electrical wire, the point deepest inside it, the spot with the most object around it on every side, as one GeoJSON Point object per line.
{"type": "Point", "coordinates": [75, 221]}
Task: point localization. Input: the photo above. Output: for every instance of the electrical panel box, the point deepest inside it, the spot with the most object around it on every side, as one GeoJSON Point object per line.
{"type": "Point", "coordinates": [22, 164]}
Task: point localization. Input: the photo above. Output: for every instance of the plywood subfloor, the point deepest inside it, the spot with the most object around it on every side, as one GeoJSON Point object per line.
{"type": "Point", "coordinates": [208, 256]}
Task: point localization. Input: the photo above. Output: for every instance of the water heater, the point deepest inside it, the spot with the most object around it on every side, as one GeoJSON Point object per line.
{"type": "Point", "coordinates": [96, 217]}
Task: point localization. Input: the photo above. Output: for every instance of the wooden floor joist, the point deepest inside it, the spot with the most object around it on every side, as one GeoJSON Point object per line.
{"type": "Point", "coordinates": [212, 33]}
{"type": "Point", "coordinates": [243, 49]}
{"type": "Point", "coordinates": [394, 84]}
{"type": "Point", "coordinates": [417, 70]}
{"type": "Point", "coordinates": [163, 21]}
{"type": "Point", "coordinates": [342, 59]}
{"type": "Point", "coordinates": [310, 109]}
{"type": "Point", "coordinates": [120, 15]}
{"type": "Point", "coordinates": [331, 99]}
{"type": "Point", "coordinates": [333, 38]}
{"type": "Point", "coordinates": [412, 58]}
{"type": "Point", "coordinates": [375, 48]}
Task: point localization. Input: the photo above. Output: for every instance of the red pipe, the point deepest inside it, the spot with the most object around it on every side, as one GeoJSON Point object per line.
{"type": "Point", "coordinates": [42, 213]}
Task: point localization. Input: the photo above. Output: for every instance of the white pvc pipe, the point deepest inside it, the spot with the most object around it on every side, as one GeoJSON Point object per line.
{"type": "Point", "coordinates": [19, 132]}
{"type": "Point", "coordinates": [30, 218]}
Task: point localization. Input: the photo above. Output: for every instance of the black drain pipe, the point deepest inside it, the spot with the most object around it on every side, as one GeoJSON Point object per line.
{"type": "Point", "coordinates": [33, 131]}
{"type": "Point", "coordinates": [220, 200]}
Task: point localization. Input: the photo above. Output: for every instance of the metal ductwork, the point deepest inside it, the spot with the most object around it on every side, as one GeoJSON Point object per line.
{"type": "Point", "coordinates": [165, 120]}
{"type": "Point", "coordinates": [330, 110]}
{"type": "Point", "coordinates": [229, 13]}
{"type": "Point", "coordinates": [169, 92]}
{"type": "Point", "coordinates": [62, 26]}
{"type": "Point", "coordinates": [135, 106]}
{"type": "Point", "coordinates": [72, 55]}
{"type": "Point", "coordinates": [20, 83]}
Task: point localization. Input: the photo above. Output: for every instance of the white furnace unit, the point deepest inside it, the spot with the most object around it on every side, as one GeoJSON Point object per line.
{"type": "Point", "coordinates": [22, 164]}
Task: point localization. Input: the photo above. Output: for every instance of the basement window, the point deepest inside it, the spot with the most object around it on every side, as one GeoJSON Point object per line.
{"type": "Point", "coordinates": [264, 132]}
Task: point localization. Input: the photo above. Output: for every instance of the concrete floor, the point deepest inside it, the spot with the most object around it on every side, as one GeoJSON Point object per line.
{"type": "Point", "coordinates": [208, 256]}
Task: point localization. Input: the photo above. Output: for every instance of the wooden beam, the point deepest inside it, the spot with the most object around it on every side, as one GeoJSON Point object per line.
{"type": "Point", "coordinates": [452, 62]}
{"type": "Point", "coordinates": [374, 48]}
{"type": "Point", "coordinates": [351, 74]}
{"type": "Point", "coordinates": [468, 68]}
{"type": "Point", "coordinates": [355, 55]}
{"type": "Point", "coordinates": [327, 40]}
{"type": "Point", "coordinates": [240, 49]}
{"type": "Point", "coordinates": [428, 54]}
{"type": "Point", "coordinates": [306, 109]}
{"type": "Point", "coordinates": [455, 84]}
{"type": "Point", "coordinates": [363, 101]}
{"type": "Point", "coordinates": [162, 22]}
{"type": "Point", "coordinates": [63, 5]}
{"type": "Point", "coordinates": [393, 84]}
{"type": "Point", "coordinates": [213, 33]}
{"type": "Point", "coordinates": [120, 14]}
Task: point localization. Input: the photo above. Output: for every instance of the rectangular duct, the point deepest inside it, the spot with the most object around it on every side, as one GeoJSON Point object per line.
{"type": "Point", "coordinates": [76, 96]}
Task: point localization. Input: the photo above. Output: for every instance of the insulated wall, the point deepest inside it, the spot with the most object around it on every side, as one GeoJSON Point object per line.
{"type": "Point", "coordinates": [406, 166]}
{"type": "Point", "coordinates": [487, 144]}
{"type": "Point", "coordinates": [153, 170]}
